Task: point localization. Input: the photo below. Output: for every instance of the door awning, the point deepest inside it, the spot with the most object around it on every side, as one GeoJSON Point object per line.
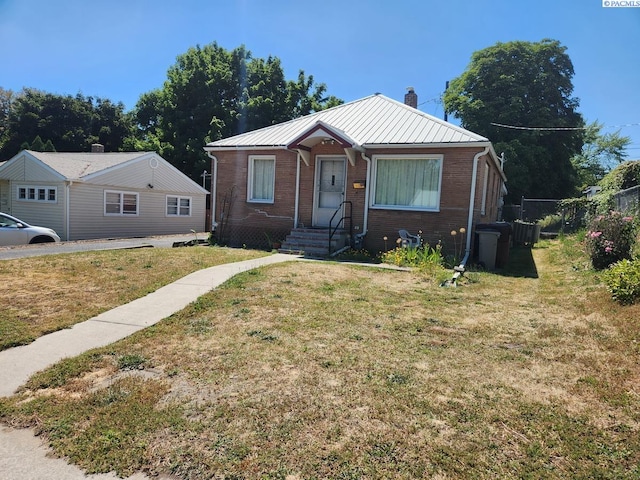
{"type": "Point", "coordinates": [321, 132]}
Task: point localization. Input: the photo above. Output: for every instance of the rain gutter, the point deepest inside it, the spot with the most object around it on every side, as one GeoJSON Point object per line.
{"type": "Point", "coordinates": [472, 200]}
{"type": "Point", "coordinates": [214, 189]}
{"type": "Point", "coordinates": [365, 220]}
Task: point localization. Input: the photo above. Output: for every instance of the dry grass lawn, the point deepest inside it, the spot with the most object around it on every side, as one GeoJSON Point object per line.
{"type": "Point", "coordinates": [40, 295]}
{"type": "Point", "coordinates": [317, 370]}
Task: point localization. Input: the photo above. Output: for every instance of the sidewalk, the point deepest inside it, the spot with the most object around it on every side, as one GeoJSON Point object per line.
{"type": "Point", "coordinates": [18, 461]}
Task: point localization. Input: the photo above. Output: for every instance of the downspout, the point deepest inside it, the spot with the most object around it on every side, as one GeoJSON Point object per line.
{"type": "Point", "coordinates": [472, 200]}
{"type": "Point", "coordinates": [365, 221]}
{"type": "Point", "coordinates": [67, 209]}
{"type": "Point", "coordinates": [214, 181]}
{"type": "Point", "coordinates": [297, 197]}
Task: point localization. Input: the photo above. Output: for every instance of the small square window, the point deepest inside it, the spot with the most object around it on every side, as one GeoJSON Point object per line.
{"type": "Point", "coordinates": [28, 193]}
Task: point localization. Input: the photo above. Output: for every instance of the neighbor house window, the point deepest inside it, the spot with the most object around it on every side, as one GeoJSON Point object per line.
{"type": "Point", "coordinates": [120, 203]}
{"type": "Point", "coordinates": [261, 179]}
{"type": "Point", "coordinates": [407, 182]}
{"type": "Point", "coordinates": [30, 193]}
{"type": "Point", "coordinates": [178, 206]}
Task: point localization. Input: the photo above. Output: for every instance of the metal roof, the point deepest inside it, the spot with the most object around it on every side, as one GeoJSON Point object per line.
{"type": "Point", "coordinates": [74, 166]}
{"type": "Point", "coordinates": [370, 121]}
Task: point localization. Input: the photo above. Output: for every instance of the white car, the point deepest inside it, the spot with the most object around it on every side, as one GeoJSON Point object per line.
{"type": "Point", "coordinates": [16, 232]}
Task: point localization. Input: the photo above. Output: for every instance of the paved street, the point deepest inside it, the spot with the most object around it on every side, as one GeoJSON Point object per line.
{"type": "Point", "coordinates": [22, 251]}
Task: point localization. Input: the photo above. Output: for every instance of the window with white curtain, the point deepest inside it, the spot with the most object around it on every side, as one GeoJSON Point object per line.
{"type": "Point", "coordinates": [261, 179]}
{"type": "Point", "coordinates": [120, 203]}
{"type": "Point", "coordinates": [407, 182]}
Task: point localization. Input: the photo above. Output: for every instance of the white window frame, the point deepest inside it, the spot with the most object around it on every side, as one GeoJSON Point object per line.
{"type": "Point", "coordinates": [439, 158]}
{"type": "Point", "coordinates": [250, 192]}
{"type": "Point", "coordinates": [33, 193]}
{"type": "Point", "coordinates": [121, 212]}
{"type": "Point", "coordinates": [178, 206]}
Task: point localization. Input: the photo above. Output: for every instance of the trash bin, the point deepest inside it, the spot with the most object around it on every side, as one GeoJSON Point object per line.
{"type": "Point", "coordinates": [504, 242]}
{"type": "Point", "coordinates": [488, 247]}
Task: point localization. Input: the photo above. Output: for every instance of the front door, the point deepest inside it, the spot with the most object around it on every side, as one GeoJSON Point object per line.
{"type": "Point", "coordinates": [330, 183]}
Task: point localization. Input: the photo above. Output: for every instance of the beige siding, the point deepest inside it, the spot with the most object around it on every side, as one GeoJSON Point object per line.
{"type": "Point", "coordinates": [43, 214]}
{"type": "Point", "coordinates": [25, 169]}
{"type": "Point", "coordinates": [148, 170]}
{"type": "Point", "coordinates": [5, 196]}
{"type": "Point", "coordinates": [148, 175]}
{"type": "Point", "coordinates": [88, 219]}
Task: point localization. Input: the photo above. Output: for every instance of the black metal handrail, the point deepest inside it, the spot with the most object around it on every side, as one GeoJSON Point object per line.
{"type": "Point", "coordinates": [333, 230]}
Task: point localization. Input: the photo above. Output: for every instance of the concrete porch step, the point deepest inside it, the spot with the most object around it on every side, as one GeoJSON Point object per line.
{"type": "Point", "coordinates": [313, 241]}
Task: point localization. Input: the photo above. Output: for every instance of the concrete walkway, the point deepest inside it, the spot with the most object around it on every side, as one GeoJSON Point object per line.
{"type": "Point", "coordinates": [18, 460]}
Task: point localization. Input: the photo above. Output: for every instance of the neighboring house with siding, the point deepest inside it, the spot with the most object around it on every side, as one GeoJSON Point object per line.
{"type": "Point", "coordinates": [101, 195]}
{"type": "Point", "coordinates": [382, 163]}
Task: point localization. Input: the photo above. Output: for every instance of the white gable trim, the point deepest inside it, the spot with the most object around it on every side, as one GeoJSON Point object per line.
{"type": "Point", "coordinates": [28, 156]}
{"type": "Point", "coordinates": [93, 175]}
{"type": "Point", "coordinates": [154, 160]}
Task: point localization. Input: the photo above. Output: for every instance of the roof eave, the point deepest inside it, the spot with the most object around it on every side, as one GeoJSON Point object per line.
{"type": "Point", "coordinates": [228, 148]}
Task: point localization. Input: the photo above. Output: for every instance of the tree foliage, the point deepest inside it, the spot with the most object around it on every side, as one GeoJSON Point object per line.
{"type": "Point", "coordinates": [211, 93]}
{"type": "Point", "coordinates": [625, 175]}
{"type": "Point", "coordinates": [62, 122]}
{"type": "Point", "coordinates": [600, 153]}
{"type": "Point", "coordinates": [524, 84]}
{"type": "Point", "coordinates": [6, 98]}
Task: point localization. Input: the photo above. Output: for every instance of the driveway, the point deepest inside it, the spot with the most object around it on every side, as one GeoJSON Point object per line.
{"type": "Point", "coordinates": [23, 251]}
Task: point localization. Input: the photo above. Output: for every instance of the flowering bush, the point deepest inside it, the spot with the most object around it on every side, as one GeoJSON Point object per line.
{"type": "Point", "coordinates": [609, 239]}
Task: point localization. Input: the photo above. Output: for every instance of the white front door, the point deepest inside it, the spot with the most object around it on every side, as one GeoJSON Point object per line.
{"type": "Point", "coordinates": [330, 189]}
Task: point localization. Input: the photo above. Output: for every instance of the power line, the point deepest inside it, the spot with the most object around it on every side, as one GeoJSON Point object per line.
{"type": "Point", "coordinates": [515, 127]}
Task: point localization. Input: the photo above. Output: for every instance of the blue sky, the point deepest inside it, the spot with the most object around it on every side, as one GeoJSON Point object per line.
{"type": "Point", "coordinates": [120, 49]}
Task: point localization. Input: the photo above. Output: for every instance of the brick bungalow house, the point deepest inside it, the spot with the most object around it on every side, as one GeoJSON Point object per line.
{"type": "Point", "coordinates": [369, 168]}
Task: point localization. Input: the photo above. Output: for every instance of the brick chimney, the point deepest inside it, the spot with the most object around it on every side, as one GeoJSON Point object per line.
{"type": "Point", "coordinates": [97, 148]}
{"type": "Point", "coordinates": [410, 98]}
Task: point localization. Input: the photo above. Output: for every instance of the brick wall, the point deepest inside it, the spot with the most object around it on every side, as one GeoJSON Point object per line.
{"type": "Point", "coordinates": [245, 223]}
{"type": "Point", "coordinates": [248, 223]}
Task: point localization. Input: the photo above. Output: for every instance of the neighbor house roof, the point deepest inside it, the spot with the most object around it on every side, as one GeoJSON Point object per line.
{"type": "Point", "coordinates": [371, 121]}
{"type": "Point", "coordinates": [74, 166]}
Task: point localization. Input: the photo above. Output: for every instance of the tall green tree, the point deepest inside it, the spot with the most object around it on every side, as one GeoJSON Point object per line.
{"type": "Point", "coordinates": [6, 98]}
{"type": "Point", "coordinates": [600, 153]}
{"type": "Point", "coordinates": [526, 85]}
{"type": "Point", "coordinates": [38, 145]}
{"type": "Point", "coordinates": [211, 93]}
{"type": "Point", "coordinates": [70, 123]}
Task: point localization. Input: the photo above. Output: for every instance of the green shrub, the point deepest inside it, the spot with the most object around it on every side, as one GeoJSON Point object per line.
{"type": "Point", "coordinates": [551, 222]}
{"type": "Point", "coordinates": [610, 238]}
{"type": "Point", "coordinates": [353, 255]}
{"type": "Point", "coordinates": [623, 281]}
{"type": "Point", "coordinates": [423, 256]}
